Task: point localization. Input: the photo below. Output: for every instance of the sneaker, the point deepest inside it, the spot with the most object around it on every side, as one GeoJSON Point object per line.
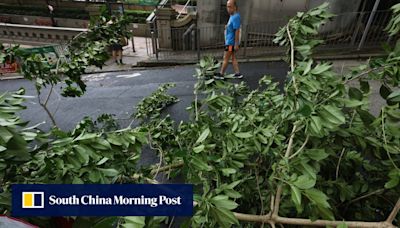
{"type": "Point", "coordinates": [238, 75]}
{"type": "Point", "coordinates": [219, 76]}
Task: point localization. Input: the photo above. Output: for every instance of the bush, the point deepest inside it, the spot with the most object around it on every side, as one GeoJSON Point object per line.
{"type": "Point", "coordinates": [137, 16]}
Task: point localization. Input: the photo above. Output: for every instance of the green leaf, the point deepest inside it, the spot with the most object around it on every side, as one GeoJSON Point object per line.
{"type": "Point", "coordinates": [342, 225]}
{"type": "Point", "coordinates": [332, 114]}
{"type": "Point", "coordinates": [394, 97]}
{"type": "Point", "coordinates": [316, 154]}
{"type": "Point", "coordinates": [94, 176]}
{"type": "Point", "coordinates": [228, 171]}
{"type": "Point", "coordinates": [296, 196]}
{"type": "Point", "coordinates": [5, 134]}
{"type": "Point", "coordinates": [364, 86]}
{"type": "Point", "coordinates": [352, 103]}
{"type": "Point", "coordinates": [305, 182]}
{"type": "Point", "coordinates": [77, 180]}
{"type": "Point", "coordinates": [317, 197]}
{"type": "Point", "coordinates": [199, 149]}
{"type": "Point", "coordinates": [82, 155]}
{"type": "Point", "coordinates": [244, 135]}
{"type": "Point", "coordinates": [102, 161]}
{"type": "Point", "coordinates": [222, 201]}
{"type": "Point", "coordinates": [306, 110]}
{"type": "Point", "coordinates": [203, 136]}
{"type": "Point", "coordinates": [355, 93]}
{"type": "Point", "coordinates": [394, 180]}
{"type": "Point", "coordinates": [106, 222]}
{"type": "Point", "coordinates": [135, 221]}
{"type": "Point", "coordinates": [234, 184]}
{"type": "Point", "coordinates": [114, 139]}
{"type": "Point", "coordinates": [200, 164]}
{"type": "Point", "coordinates": [225, 217]}
{"type": "Point", "coordinates": [385, 91]}
{"type": "Point", "coordinates": [315, 126]}
{"type": "Point", "coordinates": [366, 117]}
{"type": "Point", "coordinates": [319, 69]}
{"type": "Point", "coordinates": [108, 172]}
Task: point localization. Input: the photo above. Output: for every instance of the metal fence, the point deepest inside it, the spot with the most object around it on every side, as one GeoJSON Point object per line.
{"type": "Point", "coordinates": [343, 33]}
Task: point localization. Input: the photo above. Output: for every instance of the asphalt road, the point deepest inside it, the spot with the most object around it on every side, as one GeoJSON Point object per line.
{"type": "Point", "coordinates": [118, 93]}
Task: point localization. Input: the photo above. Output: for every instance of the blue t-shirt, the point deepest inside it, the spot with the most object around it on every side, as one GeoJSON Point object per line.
{"type": "Point", "coordinates": [231, 28]}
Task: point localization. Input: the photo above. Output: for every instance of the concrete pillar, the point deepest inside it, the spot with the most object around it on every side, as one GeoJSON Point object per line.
{"type": "Point", "coordinates": [164, 17]}
{"type": "Point", "coordinates": [208, 12]}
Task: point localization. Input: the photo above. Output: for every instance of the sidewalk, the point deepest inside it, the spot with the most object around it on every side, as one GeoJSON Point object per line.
{"type": "Point", "coordinates": [130, 58]}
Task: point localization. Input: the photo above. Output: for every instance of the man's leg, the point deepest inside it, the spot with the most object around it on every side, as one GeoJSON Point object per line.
{"type": "Point", "coordinates": [114, 55]}
{"type": "Point", "coordinates": [227, 56]}
{"type": "Point", "coordinates": [120, 56]}
{"type": "Point", "coordinates": [236, 66]}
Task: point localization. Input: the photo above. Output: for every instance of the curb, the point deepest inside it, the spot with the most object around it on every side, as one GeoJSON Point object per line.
{"type": "Point", "coordinates": [164, 63]}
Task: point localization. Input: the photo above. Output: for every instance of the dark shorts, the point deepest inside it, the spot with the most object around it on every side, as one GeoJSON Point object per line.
{"type": "Point", "coordinates": [116, 47]}
{"type": "Point", "coordinates": [230, 48]}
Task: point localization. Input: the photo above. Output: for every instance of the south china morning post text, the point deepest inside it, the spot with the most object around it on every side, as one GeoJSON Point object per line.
{"type": "Point", "coordinates": [116, 200]}
{"type": "Point", "coordinates": [102, 200]}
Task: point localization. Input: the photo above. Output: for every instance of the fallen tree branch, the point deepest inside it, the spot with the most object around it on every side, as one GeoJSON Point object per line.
{"type": "Point", "coordinates": [271, 219]}
{"type": "Point", "coordinates": [394, 212]}
{"type": "Point", "coordinates": [308, 222]}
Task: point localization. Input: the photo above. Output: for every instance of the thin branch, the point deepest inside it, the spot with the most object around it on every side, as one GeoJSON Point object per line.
{"type": "Point", "coordinates": [46, 109]}
{"type": "Point", "coordinates": [195, 106]}
{"type": "Point", "coordinates": [167, 168]}
{"type": "Point", "coordinates": [366, 196]}
{"type": "Point", "coordinates": [362, 74]}
{"type": "Point", "coordinates": [292, 59]}
{"type": "Point", "coordinates": [277, 201]}
{"type": "Point", "coordinates": [340, 160]}
{"type": "Point", "coordinates": [161, 157]}
{"type": "Point", "coordinates": [259, 193]}
{"type": "Point", "coordinates": [290, 145]}
{"type": "Point", "coordinates": [394, 212]}
{"type": "Point", "coordinates": [48, 95]}
{"type": "Point", "coordinates": [301, 148]}
{"type": "Point", "coordinates": [280, 188]}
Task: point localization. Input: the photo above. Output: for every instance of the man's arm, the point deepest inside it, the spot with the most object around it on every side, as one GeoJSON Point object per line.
{"type": "Point", "coordinates": [237, 39]}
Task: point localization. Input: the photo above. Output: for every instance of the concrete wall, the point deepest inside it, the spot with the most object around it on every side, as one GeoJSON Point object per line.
{"type": "Point", "coordinates": [141, 30]}
{"type": "Point", "coordinates": [208, 16]}
{"type": "Point", "coordinates": [254, 11]}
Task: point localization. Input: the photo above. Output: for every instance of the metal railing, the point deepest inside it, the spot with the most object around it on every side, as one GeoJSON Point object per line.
{"type": "Point", "coordinates": [343, 32]}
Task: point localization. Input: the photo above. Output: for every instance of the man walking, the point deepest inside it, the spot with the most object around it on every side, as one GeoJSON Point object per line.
{"type": "Point", "coordinates": [232, 41]}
